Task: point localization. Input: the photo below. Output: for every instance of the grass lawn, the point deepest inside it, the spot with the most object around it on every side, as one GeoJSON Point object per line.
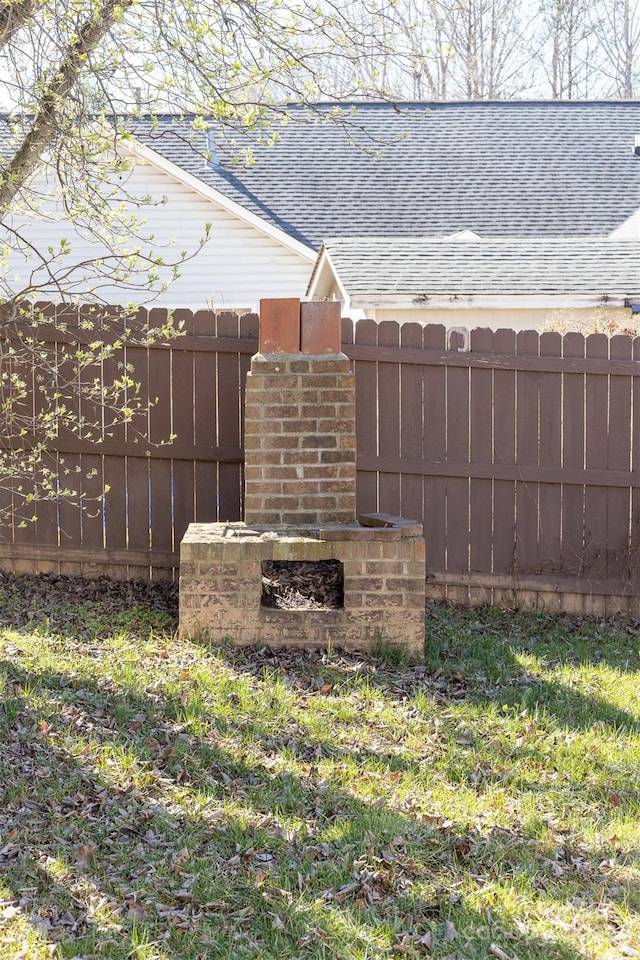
{"type": "Point", "coordinates": [161, 799]}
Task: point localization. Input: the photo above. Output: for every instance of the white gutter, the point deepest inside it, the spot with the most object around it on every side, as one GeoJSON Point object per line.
{"type": "Point", "coordinates": [484, 301]}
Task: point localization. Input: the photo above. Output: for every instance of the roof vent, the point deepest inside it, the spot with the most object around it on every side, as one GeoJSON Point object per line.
{"type": "Point", "coordinates": [212, 159]}
{"type": "Point", "coordinates": [469, 234]}
{"type": "Point", "coordinates": [636, 145]}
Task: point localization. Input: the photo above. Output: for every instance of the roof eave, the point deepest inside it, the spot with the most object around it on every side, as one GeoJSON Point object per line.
{"type": "Point", "coordinates": [491, 301]}
{"type": "Point", "coordinates": [145, 153]}
{"type": "Point", "coordinates": [324, 280]}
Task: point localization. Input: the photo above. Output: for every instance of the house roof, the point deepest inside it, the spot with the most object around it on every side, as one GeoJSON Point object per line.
{"type": "Point", "coordinates": [528, 169]}
{"type": "Point", "coordinates": [367, 268]}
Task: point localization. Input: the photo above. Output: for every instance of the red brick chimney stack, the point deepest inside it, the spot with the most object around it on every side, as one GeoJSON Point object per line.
{"type": "Point", "coordinates": [300, 439]}
{"type": "Point", "coordinates": [300, 507]}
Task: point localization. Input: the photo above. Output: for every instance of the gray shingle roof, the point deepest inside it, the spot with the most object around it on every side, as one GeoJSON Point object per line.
{"type": "Point", "coordinates": [541, 169]}
{"type": "Point", "coordinates": [424, 267]}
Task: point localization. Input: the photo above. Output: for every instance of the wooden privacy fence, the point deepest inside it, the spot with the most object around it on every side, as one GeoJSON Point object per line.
{"type": "Point", "coordinates": [521, 455]}
{"type": "Point", "coordinates": [193, 387]}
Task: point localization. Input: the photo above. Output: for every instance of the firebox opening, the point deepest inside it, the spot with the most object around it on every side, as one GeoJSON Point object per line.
{"type": "Point", "coordinates": [302, 584]}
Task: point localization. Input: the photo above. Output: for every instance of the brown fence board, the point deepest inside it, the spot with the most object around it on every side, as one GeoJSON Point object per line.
{"type": "Point", "coordinates": [182, 430]}
{"type": "Point", "coordinates": [160, 430]}
{"type": "Point", "coordinates": [527, 414]}
{"type": "Point", "coordinates": [183, 499]}
{"type": "Point", "coordinates": [367, 417]}
{"type": "Point", "coordinates": [138, 505]}
{"type": "Point", "coordinates": [7, 512]}
{"type": "Point", "coordinates": [481, 449]}
{"type": "Point", "coordinates": [205, 405]}
{"type": "Point", "coordinates": [229, 474]}
{"type": "Point", "coordinates": [91, 516]}
{"type": "Point", "coordinates": [249, 329]}
{"type": "Point", "coordinates": [69, 519]}
{"type": "Point", "coordinates": [487, 471]}
{"type": "Point", "coordinates": [573, 416]}
{"type": "Point", "coordinates": [597, 424]}
{"type": "Point", "coordinates": [91, 477]}
{"type": "Point", "coordinates": [45, 529]}
{"type": "Point", "coordinates": [435, 448]}
{"type": "Point", "coordinates": [138, 508]}
{"type": "Point", "coordinates": [24, 528]}
{"type": "Point", "coordinates": [550, 455]}
{"type": "Point", "coordinates": [619, 453]}
{"type": "Point", "coordinates": [114, 467]}
{"type": "Point", "coordinates": [347, 331]}
{"type": "Point", "coordinates": [77, 559]}
{"type": "Point", "coordinates": [461, 358]}
{"type": "Point", "coordinates": [458, 440]}
{"type": "Point", "coordinates": [549, 583]}
{"type": "Point", "coordinates": [115, 478]}
{"type": "Point", "coordinates": [634, 537]}
{"type": "Point", "coordinates": [412, 426]}
{"type": "Point", "coordinates": [504, 443]}
{"type": "Point", "coordinates": [389, 420]}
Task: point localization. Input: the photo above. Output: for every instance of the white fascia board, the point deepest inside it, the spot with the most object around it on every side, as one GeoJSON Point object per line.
{"type": "Point", "coordinates": [318, 274]}
{"type": "Point", "coordinates": [148, 155]}
{"type": "Point", "coordinates": [347, 301]}
{"type": "Point", "coordinates": [490, 302]}
{"type": "Point", "coordinates": [324, 279]}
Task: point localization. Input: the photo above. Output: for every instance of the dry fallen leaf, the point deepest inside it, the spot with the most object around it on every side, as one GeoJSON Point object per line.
{"type": "Point", "coordinates": [425, 940]}
{"type": "Point", "coordinates": [450, 932]}
{"type": "Point", "coordinates": [345, 891]}
{"type": "Point", "coordinates": [495, 951]}
{"type": "Point", "coordinates": [84, 854]}
{"type": "Point", "coordinates": [6, 913]}
{"type": "Point", "coordinates": [404, 947]}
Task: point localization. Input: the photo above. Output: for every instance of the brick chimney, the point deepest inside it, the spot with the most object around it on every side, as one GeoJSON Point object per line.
{"type": "Point", "coordinates": [300, 436]}
{"type": "Point", "coordinates": [300, 508]}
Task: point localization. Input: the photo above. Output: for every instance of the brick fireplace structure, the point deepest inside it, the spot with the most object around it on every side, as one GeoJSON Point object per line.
{"type": "Point", "coordinates": [300, 507]}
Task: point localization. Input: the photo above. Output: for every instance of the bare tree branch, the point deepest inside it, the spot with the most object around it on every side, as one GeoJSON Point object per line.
{"type": "Point", "coordinates": [13, 16]}
{"type": "Point", "coordinates": [54, 99]}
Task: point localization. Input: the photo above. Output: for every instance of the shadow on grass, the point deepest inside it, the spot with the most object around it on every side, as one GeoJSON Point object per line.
{"type": "Point", "coordinates": [197, 851]}
{"type": "Point", "coordinates": [473, 655]}
{"type": "Point", "coordinates": [480, 652]}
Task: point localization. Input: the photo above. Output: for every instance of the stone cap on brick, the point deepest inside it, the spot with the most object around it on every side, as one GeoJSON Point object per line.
{"type": "Point", "coordinates": [407, 528]}
{"type": "Point", "coordinates": [296, 363]}
{"type": "Point", "coordinates": [349, 532]}
{"type": "Point", "coordinates": [208, 532]}
{"type": "Point", "coordinates": [288, 326]}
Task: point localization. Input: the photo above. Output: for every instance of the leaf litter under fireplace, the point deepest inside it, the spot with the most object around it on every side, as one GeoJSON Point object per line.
{"type": "Point", "coordinates": [303, 584]}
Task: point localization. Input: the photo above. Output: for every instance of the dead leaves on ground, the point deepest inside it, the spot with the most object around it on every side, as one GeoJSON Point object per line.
{"type": "Point", "coordinates": [151, 808]}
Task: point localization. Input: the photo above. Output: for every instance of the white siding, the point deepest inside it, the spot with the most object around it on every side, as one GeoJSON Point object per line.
{"type": "Point", "coordinates": [236, 267]}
